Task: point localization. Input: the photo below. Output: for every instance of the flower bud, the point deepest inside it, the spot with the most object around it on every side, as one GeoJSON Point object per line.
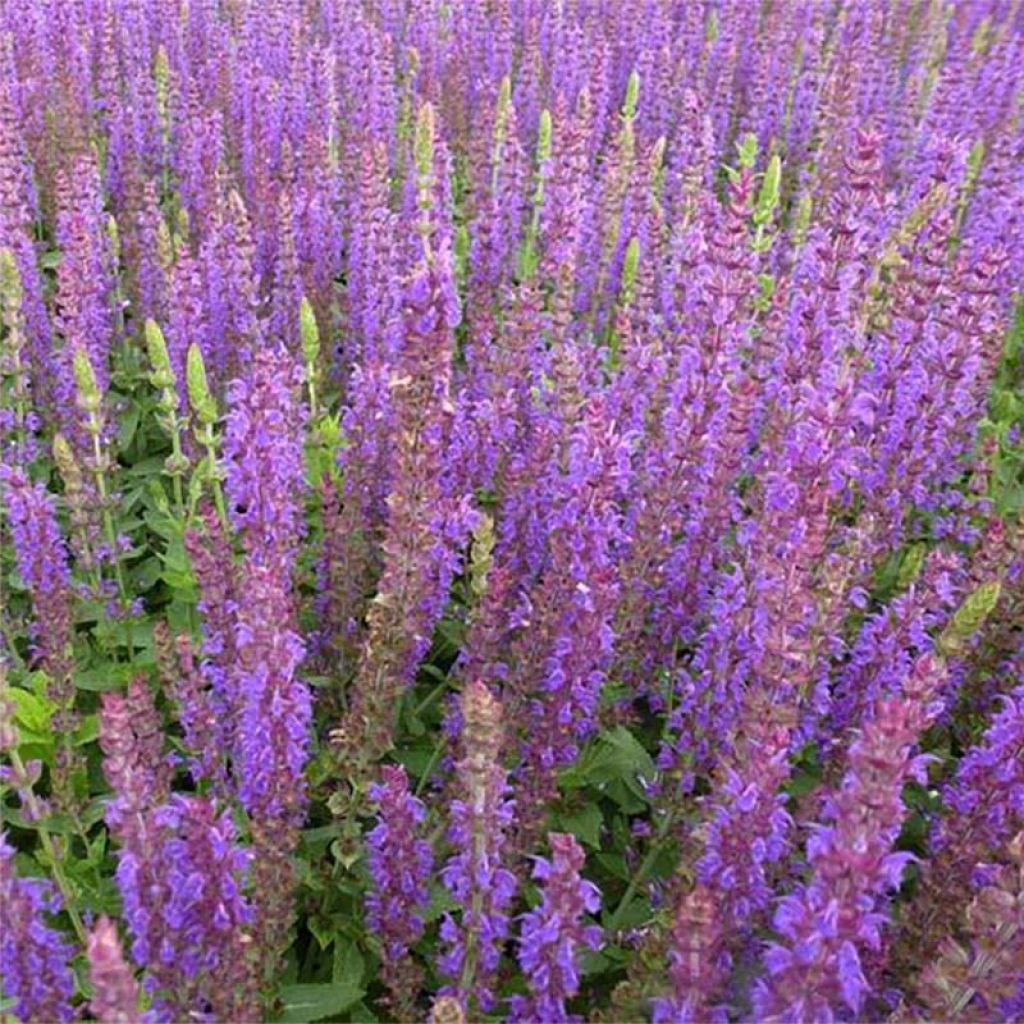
{"type": "Point", "coordinates": [632, 95]}
{"type": "Point", "coordinates": [199, 395]}
{"type": "Point", "coordinates": [310, 332]}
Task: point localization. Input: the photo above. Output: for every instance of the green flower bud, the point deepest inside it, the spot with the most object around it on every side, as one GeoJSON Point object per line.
{"type": "Point", "coordinates": [161, 78]}
{"type": "Point", "coordinates": [504, 101]}
{"type": "Point", "coordinates": [64, 456]}
{"type": "Point", "coordinates": [481, 555]}
{"type": "Point", "coordinates": [544, 137]}
{"type": "Point", "coordinates": [630, 265]}
{"type": "Point", "coordinates": [910, 567]}
{"type": "Point", "coordinates": [156, 348]}
{"type": "Point", "coordinates": [746, 150]}
{"type": "Point", "coordinates": [115, 238]}
{"type": "Point", "coordinates": [768, 197]}
{"type": "Point", "coordinates": [310, 331]}
{"type": "Point", "coordinates": [802, 220]}
{"type": "Point", "coordinates": [462, 249]}
{"type": "Point", "coordinates": [164, 245]}
{"type": "Point", "coordinates": [969, 618]}
{"type": "Point", "coordinates": [199, 395]}
{"type": "Point", "coordinates": [10, 280]}
{"type": "Point", "coordinates": [711, 33]}
{"type": "Point", "coordinates": [423, 146]}
{"type": "Point", "coordinates": [176, 464]}
{"type": "Point", "coordinates": [632, 95]}
{"type": "Point", "coordinates": [85, 381]}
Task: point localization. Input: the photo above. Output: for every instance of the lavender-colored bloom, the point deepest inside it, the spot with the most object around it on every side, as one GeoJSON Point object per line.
{"type": "Point", "coordinates": [553, 935]}
{"type": "Point", "coordinates": [263, 453]}
{"type": "Point", "coordinates": [829, 923]}
{"type": "Point", "coordinates": [84, 279]}
{"type": "Point", "coordinates": [483, 888]}
{"type": "Point", "coordinates": [400, 866]}
{"type": "Point", "coordinates": [987, 794]}
{"type": "Point", "coordinates": [34, 957]}
{"type": "Point", "coordinates": [566, 651]}
{"type": "Point", "coordinates": [426, 523]}
{"type": "Point", "coordinates": [181, 874]}
{"type": "Point", "coordinates": [43, 564]}
{"type": "Point", "coordinates": [116, 993]}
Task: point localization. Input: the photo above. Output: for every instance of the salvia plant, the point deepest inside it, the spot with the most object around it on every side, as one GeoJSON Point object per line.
{"type": "Point", "coordinates": [511, 510]}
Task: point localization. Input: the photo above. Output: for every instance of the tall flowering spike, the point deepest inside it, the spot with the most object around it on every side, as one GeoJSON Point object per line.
{"type": "Point", "coordinates": [115, 992]}
{"type": "Point", "coordinates": [573, 607]}
{"type": "Point", "coordinates": [977, 975]}
{"type": "Point", "coordinates": [84, 276]}
{"type": "Point", "coordinates": [553, 935]}
{"type": "Point", "coordinates": [400, 866]}
{"type": "Point", "coordinates": [131, 738]}
{"type": "Point", "coordinates": [263, 447]}
{"type": "Point", "coordinates": [181, 874]}
{"type": "Point", "coordinates": [263, 443]}
{"type": "Point", "coordinates": [35, 968]}
{"type": "Point", "coordinates": [829, 922]}
{"type": "Point", "coordinates": [482, 888]}
{"type": "Point", "coordinates": [985, 801]}
{"type": "Point", "coordinates": [18, 421]}
{"type": "Point", "coordinates": [187, 321]}
{"type": "Point", "coordinates": [42, 559]}
{"type": "Point", "coordinates": [698, 963]}
{"type": "Point", "coordinates": [17, 211]}
{"type": "Point", "coordinates": [43, 564]}
{"type": "Point", "coordinates": [425, 524]}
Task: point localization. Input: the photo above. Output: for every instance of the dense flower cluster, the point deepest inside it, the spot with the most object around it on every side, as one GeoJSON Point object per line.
{"type": "Point", "coordinates": [400, 865]}
{"type": "Point", "coordinates": [511, 509]}
{"type": "Point", "coordinates": [34, 956]}
{"type": "Point", "coordinates": [553, 934]}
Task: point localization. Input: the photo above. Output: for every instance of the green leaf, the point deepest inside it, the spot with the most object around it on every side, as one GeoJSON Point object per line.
{"type": "Point", "coordinates": [615, 756]}
{"type": "Point", "coordinates": [348, 966]}
{"type": "Point", "coordinates": [109, 676]}
{"type": "Point", "coordinates": [584, 823]}
{"type": "Point", "coordinates": [88, 730]}
{"type": "Point", "coordinates": [30, 710]}
{"type": "Point", "coordinates": [304, 1003]}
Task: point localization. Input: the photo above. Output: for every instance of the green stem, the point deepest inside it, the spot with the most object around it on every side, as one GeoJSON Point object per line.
{"type": "Point", "coordinates": [55, 865]}
{"type": "Point", "coordinates": [641, 874]}
{"type": "Point", "coordinates": [108, 526]}
{"type": "Point", "coordinates": [431, 764]}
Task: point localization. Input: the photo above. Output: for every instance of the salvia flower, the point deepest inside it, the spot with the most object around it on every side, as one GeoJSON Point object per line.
{"type": "Point", "coordinates": [400, 865]}
{"type": "Point", "coordinates": [553, 935]}
{"type": "Point", "coordinates": [115, 992]}
{"type": "Point", "coordinates": [35, 968]}
{"type": "Point", "coordinates": [817, 971]}
{"type": "Point", "coordinates": [698, 963]}
{"type": "Point", "coordinates": [475, 875]}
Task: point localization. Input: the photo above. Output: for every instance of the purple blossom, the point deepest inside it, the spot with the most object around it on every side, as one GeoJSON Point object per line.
{"type": "Point", "coordinates": [830, 922]}
{"type": "Point", "coordinates": [400, 866]}
{"type": "Point", "coordinates": [475, 875]}
{"type": "Point", "coordinates": [116, 993]}
{"type": "Point", "coordinates": [34, 957]}
{"type": "Point", "coordinates": [553, 934]}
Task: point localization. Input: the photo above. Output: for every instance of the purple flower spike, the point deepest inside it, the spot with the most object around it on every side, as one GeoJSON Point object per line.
{"type": "Point", "coordinates": [552, 935]}
{"type": "Point", "coordinates": [400, 866]}
{"type": "Point", "coordinates": [115, 998]}
{"type": "Point", "coordinates": [34, 958]}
